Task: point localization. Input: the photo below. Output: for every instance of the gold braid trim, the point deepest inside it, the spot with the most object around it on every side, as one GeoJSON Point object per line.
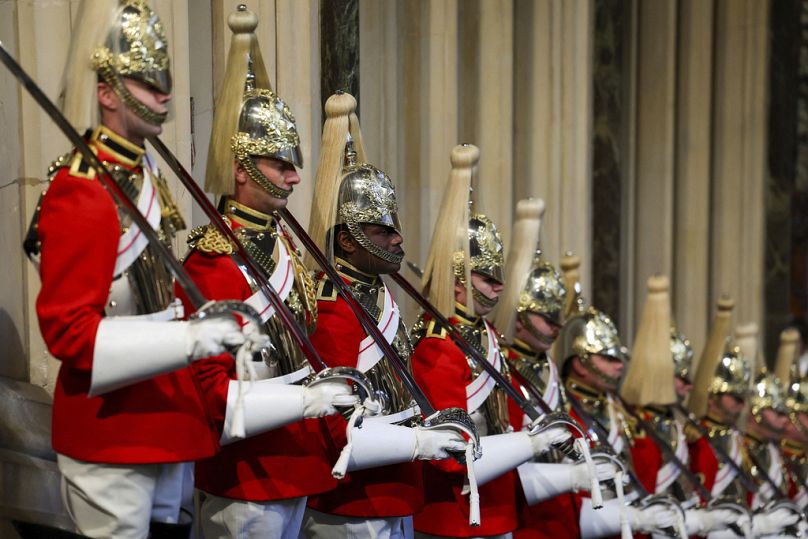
{"type": "Point", "coordinates": [209, 240]}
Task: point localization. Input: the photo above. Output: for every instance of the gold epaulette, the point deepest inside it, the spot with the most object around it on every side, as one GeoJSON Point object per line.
{"type": "Point", "coordinates": [326, 291]}
{"type": "Point", "coordinates": [692, 433]}
{"type": "Point", "coordinates": [209, 240]}
{"type": "Point", "coordinates": [59, 163]}
{"type": "Point", "coordinates": [435, 331]}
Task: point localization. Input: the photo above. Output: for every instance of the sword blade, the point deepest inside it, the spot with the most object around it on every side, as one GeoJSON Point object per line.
{"type": "Point", "coordinates": [282, 310]}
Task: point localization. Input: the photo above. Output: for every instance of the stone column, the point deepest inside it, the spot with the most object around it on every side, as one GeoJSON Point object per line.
{"type": "Point", "coordinates": [739, 149]}
{"type": "Point", "coordinates": [691, 264]}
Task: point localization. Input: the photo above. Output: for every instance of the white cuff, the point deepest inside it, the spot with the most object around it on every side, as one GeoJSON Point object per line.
{"type": "Point", "coordinates": [265, 406]}
{"type": "Point", "coordinates": [502, 453]}
{"type": "Point", "coordinates": [542, 481]}
{"type": "Point", "coordinates": [130, 351]}
{"type": "Point", "coordinates": [378, 444]}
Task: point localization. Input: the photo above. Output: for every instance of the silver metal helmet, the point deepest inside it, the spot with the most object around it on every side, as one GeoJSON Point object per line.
{"type": "Point", "coordinates": [486, 256]}
{"type": "Point", "coordinates": [588, 333]}
{"type": "Point", "coordinates": [732, 375]}
{"type": "Point", "coordinates": [367, 196]}
{"type": "Point", "coordinates": [136, 48]}
{"type": "Point", "coordinates": [682, 353]}
{"type": "Point", "coordinates": [544, 292]}
{"type": "Point", "coordinates": [266, 128]}
{"type": "Point", "coordinates": [767, 393]}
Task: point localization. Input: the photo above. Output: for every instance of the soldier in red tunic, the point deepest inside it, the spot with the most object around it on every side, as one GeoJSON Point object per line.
{"type": "Point", "coordinates": [382, 488]}
{"type": "Point", "coordinates": [463, 278]}
{"type": "Point", "coordinates": [257, 487]}
{"type": "Point", "coordinates": [529, 314]}
{"type": "Point", "coordinates": [592, 360]}
{"type": "Point", "coordinates": [128, 417]}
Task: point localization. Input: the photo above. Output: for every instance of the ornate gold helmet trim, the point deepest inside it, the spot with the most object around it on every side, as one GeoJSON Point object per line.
{"type": "Point", "coordinates": [589, 333]}
{"type": "Point", "coordinates": [136, 48]}
{"type": "Point", "coordinates": [732, 375]}
{"type": "Point", "coordinates": [682, 353]}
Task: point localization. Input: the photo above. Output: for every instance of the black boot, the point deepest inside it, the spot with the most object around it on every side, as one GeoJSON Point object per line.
{"type": "Point", "coordinates": [29, 530]}
{"type": "Point", "coordinates": [161, 530]}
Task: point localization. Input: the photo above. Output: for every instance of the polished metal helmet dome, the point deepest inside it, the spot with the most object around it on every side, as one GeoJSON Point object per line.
{"type": "Point", "coordinates": [136, 48]}
{"type": "Point", "coordinates": [544, 292]}
{"type": "Point", "coordinates": [266, 128]}
{"type": "Point", "coordinates": [768, 392]}
{"type": "Point", "coordinates": [367, 196]}
{"type": "Point", "coordinates": [485, 248]}
{"type": "Point", "coordinates": [797, 396]}
{"type": "Point", "coordinates": [588, 333]}
{"type": "Point", "coordinates": [732, 374]}
{"type": "Point", "coordinates": [682, 353]}
{"type": "Point", "coordinates": [486, 256]}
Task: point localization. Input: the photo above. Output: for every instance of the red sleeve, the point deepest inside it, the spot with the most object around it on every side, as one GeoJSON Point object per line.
{"type": "Point", "coordinates": [79, 231]}
{"type": "Point", "coordinates": [440, 369]}
{"type": "Point", "coordinates": [218, 278]}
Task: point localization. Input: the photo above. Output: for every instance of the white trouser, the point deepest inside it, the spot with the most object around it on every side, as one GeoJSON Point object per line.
{"type": "Point", "coordinates": [119, 500]}
{"type": "Point", "coordinates": [226, 518]}
{"type": "Point", "coordinates": [317, 525]}
{"type": "Point", "coordinates": [419, 535]}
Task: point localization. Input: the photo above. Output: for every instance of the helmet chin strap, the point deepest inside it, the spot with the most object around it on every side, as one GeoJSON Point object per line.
{"type": "Point", "coordinates": [614, 382]}
{"type": "Point", "coordinates": [482, 299]}
{"type": "Point", "coordinates": [109, 76]}
{"type": "Point", "coordinates": [524, 318]}
{"type": "Point", "coordinates": [356, 231]}
{"type": "Point", "coordinates": [258, 177]}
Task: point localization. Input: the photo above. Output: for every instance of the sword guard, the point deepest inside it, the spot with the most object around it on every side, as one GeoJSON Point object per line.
{"type": "Point", "coordinates": [361, 384]}
{"type": "Point", "coordinates": [459, 420]}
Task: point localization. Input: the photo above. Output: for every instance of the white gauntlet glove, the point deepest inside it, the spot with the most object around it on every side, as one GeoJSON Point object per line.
{"type": "Point", "coordinates": [652, 518]}
{"type": "Point", "coordinates": [771, 522]}
{"type": "Point", "coordinates": [543, 441]}
{"type": "Point", "coordinates": [213, 336]}
{"type": "Point", "coordinates": [703, 521]}
{"type": "Point", "coordinates": [129, 350]}
{"type": "Point", "coordinates": [321, 399]}
{"type": "Point", "coordinates": [435, 444]}
{"type": "Point", "coordinates": [580, 474]}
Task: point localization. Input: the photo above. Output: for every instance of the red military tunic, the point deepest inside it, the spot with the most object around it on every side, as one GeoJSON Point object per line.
{"type": "Point", "coordinates": [287, 462]}
{"type": "Point", "coordinates": [442, 371]}
{"type": "Point", "coordinates": [386, 491]}
{"type": "Point", "coordinates": [558, 517]}
{"type": "Point", "coordinates": [162, 419]}
{"type": "Point", "coordinates": [717, 478]}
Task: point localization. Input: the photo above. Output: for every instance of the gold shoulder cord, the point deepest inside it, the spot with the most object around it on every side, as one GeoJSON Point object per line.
{"type": "Point", "coordinates": [208, 240]}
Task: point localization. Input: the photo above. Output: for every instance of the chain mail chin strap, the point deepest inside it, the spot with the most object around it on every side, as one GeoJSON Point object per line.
{"type": "Point", "coordinates": [132, 103]}
{"type": "Point", "coordinates": [356, 231]}
{"type": "Point", "coordinates": [530, 328]}
{"type": "Point", "coordinates": [258, 177]}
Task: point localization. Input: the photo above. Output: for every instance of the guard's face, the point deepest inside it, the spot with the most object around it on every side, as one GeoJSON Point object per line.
{"type": "Point", "coordinates": [543, 326]}
{"type": "Point", "coordinates": [610, 367]}
{"type": "Point", "coordinates": [280, 173]}
{"type": "Point", "coordinates": [387, 239]}
{"type": "Point", "coordinates": [732, 406]}
{"type": "Point", "coordinates": [488, 287]}
{"type": "Point", "coordinates": [153, 99]}
{"type": "Point", "coordinates": [682, 387]}
{"type": "Point", "coordinates": [774, 421]}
